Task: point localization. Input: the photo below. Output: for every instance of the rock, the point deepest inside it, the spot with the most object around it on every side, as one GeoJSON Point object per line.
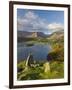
{"type": "Point", "coordinates": [29, 60]}
{"type": "Point", "coordinates": [46, 67]}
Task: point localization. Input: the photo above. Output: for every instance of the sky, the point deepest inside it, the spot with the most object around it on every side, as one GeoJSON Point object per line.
{"type": "Point", "coordinates": [46, 21]}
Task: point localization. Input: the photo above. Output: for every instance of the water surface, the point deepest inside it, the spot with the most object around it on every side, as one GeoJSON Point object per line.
{"type": "Point", "coordinates": [39, 51]}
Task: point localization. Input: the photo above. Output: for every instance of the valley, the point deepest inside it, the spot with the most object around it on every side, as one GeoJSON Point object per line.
{"type": "Point", "coordinates": [50, 68]}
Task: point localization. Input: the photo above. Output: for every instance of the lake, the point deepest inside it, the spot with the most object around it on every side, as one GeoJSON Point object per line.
{"type": "Point", "coordinates": [39, 51]}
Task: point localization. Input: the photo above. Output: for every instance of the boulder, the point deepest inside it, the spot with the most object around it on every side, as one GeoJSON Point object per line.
{"type": "Point", "coordinates": [46, 67]}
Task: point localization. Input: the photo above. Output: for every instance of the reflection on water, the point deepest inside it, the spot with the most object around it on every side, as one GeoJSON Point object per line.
{"type": "Point", "coordinates": [39, 51]}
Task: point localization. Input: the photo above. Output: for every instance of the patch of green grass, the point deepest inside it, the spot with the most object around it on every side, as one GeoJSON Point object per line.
{"type": "Point", "coordinates": [38, 72]}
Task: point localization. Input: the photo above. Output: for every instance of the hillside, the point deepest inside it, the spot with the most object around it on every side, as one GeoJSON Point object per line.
{"type": "Point", "coordinates": [25, 34]}
{"type": "Point", "coordinates": [57, 42]}
{"type": "Point", "coordinates": [56, 35]}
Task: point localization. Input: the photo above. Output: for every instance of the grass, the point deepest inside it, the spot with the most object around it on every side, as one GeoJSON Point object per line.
{"type": "Point", "coordinates": [38, 72]}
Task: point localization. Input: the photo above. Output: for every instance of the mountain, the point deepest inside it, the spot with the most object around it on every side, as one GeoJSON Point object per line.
{"type": "Point", "coordinates": [57, 35]}
{"type": "Point", "coordinates": [25, 34]}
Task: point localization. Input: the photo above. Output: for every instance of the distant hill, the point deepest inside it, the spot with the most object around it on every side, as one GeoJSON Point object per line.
{"type": "Point", "coordinates": [25, 34]}
{"type": "Point", "coordinates": [56, 35]}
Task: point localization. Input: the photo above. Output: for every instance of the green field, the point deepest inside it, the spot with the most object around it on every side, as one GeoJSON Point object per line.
{"type": "Point", "coordinates": [38, 71]}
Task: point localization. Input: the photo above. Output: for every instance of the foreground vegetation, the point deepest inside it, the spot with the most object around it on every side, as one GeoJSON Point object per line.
{"type": "Point", "coordinates": [38, 71]}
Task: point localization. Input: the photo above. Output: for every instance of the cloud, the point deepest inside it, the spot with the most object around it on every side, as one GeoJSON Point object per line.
{"type": "Point", "coordinates": [32, 22]}
{"type": "Point", "coordinates": [55, 26]}
{"type": "Point", "coordinates": [30, 15]}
